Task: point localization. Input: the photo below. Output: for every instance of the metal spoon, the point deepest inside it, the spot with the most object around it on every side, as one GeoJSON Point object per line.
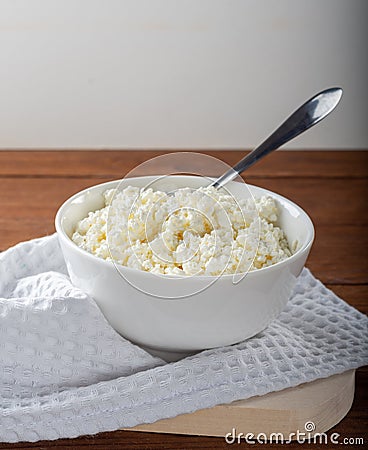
{"type": "Point", "coordinates": [312, 112]}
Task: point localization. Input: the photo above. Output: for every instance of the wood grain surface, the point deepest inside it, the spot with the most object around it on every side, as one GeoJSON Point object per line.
{"type": "Point", "coordinates": [332, 186]}
{"type": "Point", "coordinates": [325, 401]}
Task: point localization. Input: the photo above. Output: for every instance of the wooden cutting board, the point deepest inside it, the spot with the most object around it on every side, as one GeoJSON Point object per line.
{"type": "Point", "coordinates": [323, 402]}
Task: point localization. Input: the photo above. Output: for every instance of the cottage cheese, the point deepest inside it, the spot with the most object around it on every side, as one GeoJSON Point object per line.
{"type": "Point", "coordinates": [193, 232]}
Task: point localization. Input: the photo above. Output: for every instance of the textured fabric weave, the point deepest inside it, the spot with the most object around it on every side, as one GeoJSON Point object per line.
{"type": "Point", "coordinates": [65, 372]}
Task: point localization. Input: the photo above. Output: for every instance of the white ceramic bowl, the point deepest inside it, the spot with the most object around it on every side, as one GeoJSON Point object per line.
{"type": "Point", "coordinates": [218, 314]}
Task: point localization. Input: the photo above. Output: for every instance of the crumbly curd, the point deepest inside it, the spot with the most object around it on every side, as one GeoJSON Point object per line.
{"type": "Point", "coordinates": [201, 231]}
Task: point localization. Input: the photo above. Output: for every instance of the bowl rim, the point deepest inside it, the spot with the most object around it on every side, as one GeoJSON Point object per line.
{"type": "Point", "coordinates": [305, 247]}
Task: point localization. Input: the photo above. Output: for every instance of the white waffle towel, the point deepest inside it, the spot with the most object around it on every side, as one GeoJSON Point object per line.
{"type": "Point", "coordinates": [65, 372]}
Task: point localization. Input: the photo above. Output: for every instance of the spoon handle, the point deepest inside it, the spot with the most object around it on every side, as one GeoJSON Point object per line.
{"type": "Point", "coordinates": [310, 113]}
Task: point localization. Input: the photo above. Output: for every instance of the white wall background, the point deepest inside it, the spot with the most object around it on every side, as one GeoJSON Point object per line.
{"type": "Point", "coordinates": [178, 73]}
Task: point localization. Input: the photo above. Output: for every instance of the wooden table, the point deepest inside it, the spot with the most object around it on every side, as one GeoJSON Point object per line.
{"type": "Point", "coordinates": [331, 186]}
